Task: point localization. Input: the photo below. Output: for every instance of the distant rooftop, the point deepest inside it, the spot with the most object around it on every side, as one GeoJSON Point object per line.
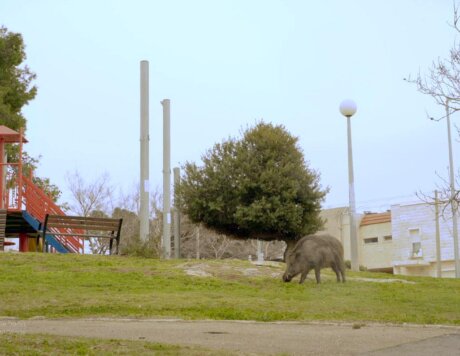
{"type": "Point", "coordinates": [376, 218]}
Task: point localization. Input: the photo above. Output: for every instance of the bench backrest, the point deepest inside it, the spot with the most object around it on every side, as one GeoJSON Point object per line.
{"type": "Point", "coordinates": [64, 226]}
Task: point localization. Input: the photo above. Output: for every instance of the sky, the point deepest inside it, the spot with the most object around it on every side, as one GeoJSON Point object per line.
{"type": "Point", "coordinates": [227, 64]}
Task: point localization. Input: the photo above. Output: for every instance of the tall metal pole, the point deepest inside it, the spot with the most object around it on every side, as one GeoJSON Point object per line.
{"type": "Point", "coordinates": [166, 179]}
{"type": "Point", "coordinates": [438, 236]}
{"type": "Point", "coordinates": [197, 235]}
{"type": "Point", "coordinates": [351, 195]}
{"type": "Point", "coordinates": [260, 254]}
{"type": "Point", "coordinates": [176, 171]}
{"type": "Point", "coordinates": [144, 181]}
{"type": "Point", "coordinates": [453, 202]}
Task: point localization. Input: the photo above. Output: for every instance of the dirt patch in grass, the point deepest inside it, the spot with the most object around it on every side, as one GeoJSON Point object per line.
{"type": "Point", "coordinates": [268, 269]}
{"type": "Point", "coordinates": [382, 280]}
{"type": "Point", "coordinates": [232, 272]}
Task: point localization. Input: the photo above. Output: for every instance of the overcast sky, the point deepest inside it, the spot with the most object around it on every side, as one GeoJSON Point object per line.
{"type": "Point", "coordinates": [227, 64]}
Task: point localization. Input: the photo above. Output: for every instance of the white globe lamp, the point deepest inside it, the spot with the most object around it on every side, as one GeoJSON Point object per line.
{"type": "Point", "coordinates": [348, 108]}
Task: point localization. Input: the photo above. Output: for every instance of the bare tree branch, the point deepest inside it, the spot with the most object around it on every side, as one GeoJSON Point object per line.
{"type": "Point", "coordinates": [442, 83]}
{"type": "Point", "coordinates": [455, 24]}
{"type": "Point", "coordinates": [90, 198]}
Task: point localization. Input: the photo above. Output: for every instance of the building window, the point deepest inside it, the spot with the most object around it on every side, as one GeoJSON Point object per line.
{"type": "Point", "coordinates": [371, 240]}
{"type": "Point", "coordinates": [414, 235]}
{"type": "Point", "coordinates": [417, 249]}
{"type": "Point", "coordinates": [388, 238]}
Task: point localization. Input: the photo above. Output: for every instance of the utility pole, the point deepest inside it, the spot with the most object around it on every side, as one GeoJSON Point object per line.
{"type": "Point", "coordinates": [166, 179]}
{"type": "Point", "coordinates": [176, 171]}
{"type": "Point", "coordinates": [144, 161]}
{"type": "Point", "coordinates": [438, 238]}
{"type": "Point", "coordinates": [260, 253]}
{"type": "Point", "coordinates": [197, 233]}
{"type": "Point", "coordinates": [453, 202]}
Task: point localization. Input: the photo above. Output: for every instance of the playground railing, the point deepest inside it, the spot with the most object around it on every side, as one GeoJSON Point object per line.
{"type": "Point", "coordinates": [38, 204]}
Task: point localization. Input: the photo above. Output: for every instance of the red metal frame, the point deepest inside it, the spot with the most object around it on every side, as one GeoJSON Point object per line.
{"type": "Point", "coordinates": [38, 204]}
{"type": "Point", "coordinates": [18, 190]}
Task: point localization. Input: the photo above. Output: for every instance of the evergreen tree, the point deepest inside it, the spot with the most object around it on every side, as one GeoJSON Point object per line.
{"type": "Point", "coordinates": [16, 89]}
{"type": "Point", "coordinates": [257, 187]}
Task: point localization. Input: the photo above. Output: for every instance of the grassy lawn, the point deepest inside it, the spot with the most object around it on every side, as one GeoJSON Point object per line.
{"type": "Point", "coordinates": [54, 285]}
{"type": "Point", "coordinates": [36, 344]}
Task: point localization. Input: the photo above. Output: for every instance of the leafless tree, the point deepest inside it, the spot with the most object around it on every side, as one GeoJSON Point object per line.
{"type": "Point", "coordinates": [89, 196]}
{"type": "Point", "coordinates": [216, 246]}
{"type": "Point", "coordinates": [130, 200]}
{"type": "Point", "coordinates": [442, 83]}
{"type": "Point", "coordinates": [272, 250]}
{"type": "Point", "coordinates": [219, 245]}
{"type": "Point", "coordinates": [128, 209]}
{"type": "Point", "coordinates": [444, 197]}
{"type": "Point", "coordinates": [90, 199]}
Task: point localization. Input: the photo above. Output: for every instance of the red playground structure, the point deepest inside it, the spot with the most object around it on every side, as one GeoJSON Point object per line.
{"type": "Point", "coordinates": [24, 206]}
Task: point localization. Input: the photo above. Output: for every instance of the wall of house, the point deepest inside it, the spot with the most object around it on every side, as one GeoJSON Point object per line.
{"type": "Point", "coordinates": [412, 249]}
{"type": "Point", "coordinates": [376, 246]}
{"type": "Point", "coordinates": [334, 224]}
{"type": "Point", "coordinates": [414, 240]}
{"type": "Point", "coordinates": [338, 225]}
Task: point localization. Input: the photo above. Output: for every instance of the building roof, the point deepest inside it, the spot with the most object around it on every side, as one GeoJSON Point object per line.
{"type": "Point", "coordinates": [10, 136]}
{"type": "Point", "coordinates": [376, 218]}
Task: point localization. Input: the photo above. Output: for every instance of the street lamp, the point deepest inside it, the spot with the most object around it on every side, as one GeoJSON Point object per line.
{"type": "Point", "coordinates": [453, 202]}
{"type": "Point", "coordinates": [348, 109]}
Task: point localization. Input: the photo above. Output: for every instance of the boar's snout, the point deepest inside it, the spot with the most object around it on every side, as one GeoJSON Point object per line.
{"type": "Point", "coordinates": [287, 277]}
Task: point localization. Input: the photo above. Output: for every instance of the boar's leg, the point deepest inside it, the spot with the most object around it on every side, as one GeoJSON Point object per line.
{"type": "Point", "coordinates": [304, 275]}
{"type": "Point", "coordinates": [317, 274]}
{"type": "Point", "coordinates": [342, 272]}
{"type": "Point", "coordinates": [337, 272]}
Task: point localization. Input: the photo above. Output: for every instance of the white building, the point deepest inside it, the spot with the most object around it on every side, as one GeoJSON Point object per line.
{"type": "Point", "coordinates": [414, 239]}
{"type": "Point", "coordinates": [402, 240]}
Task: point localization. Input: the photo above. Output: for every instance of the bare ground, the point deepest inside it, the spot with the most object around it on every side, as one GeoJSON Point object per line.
{"type": "Point", "coordinates": [291, 338]}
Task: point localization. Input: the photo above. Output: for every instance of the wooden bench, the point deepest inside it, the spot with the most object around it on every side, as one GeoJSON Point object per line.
{"type": "Point", "coordinates": [71, 227]}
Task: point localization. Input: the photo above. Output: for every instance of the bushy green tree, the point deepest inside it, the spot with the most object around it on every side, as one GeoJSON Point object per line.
{"type": "Point", "coordinates": [256, 187]}
{"type": "Point", "coordinates": [16, 89]}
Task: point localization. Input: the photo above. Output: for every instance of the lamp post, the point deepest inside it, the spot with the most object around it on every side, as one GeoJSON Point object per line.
{"type": "Point", "coordinates": [348, 109]}
{"type": "Point", "coordinates": [453, 202]}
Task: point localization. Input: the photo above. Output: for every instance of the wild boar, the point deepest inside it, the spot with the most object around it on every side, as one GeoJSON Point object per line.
{"type": "Point", "coordinates": [315, 252]}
